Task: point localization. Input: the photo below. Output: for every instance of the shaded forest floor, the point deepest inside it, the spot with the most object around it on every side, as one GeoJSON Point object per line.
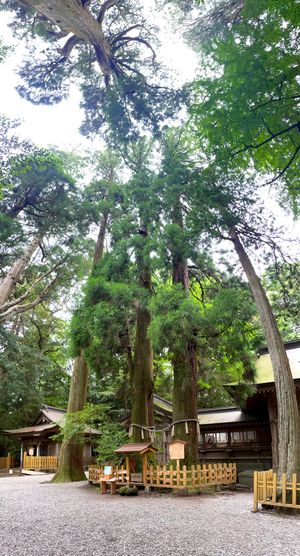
{"type": "Point", "coordinates": [74, 519]}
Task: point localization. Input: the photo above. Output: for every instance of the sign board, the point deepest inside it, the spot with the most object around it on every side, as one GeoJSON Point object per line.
{"type": "Point", "coordinates": [107, 470]}
{"type": "Point", "coordinates": [176, 449]}
{"type": "Point", "coordinates": [31, 451]}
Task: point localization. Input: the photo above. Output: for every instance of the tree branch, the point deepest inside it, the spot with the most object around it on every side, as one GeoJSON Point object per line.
{"type": "Point", "coordinates": [137, 39]}
{"type": "Point", "coordinates": [66, 50]}
{"type": "Point", "coordinates": [285, 168]}
{"type": "Point", "coordinates": [273, 136]}
{"type": "Point", "coordinates": [27, 306]}
{"type": "Point", "coordinates": [106, 6]}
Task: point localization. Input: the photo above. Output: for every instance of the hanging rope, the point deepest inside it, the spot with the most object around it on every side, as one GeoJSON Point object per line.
{"type": "Point", "coordinates": [152, 431]}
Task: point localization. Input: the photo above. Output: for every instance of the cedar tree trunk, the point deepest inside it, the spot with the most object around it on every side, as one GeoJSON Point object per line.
{"type": "Point", "coordinates": [287, 408]}
{"type": "Point", "coordinates": [71, 457]}
{"type": "Point", "coordinates": [185, 370]}
{"type": "Point", "coordinates": [9, 283]}
{"type": "Point", "coordinates": [142, 370]}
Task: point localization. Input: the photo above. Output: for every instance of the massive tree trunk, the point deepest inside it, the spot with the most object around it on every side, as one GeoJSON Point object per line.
{"type": "Point", "coordinates": [288, 413]}
{"type": "Point", "coordinates": [142, 369]}
{"type": "Point", "coordinates": [71, 457]}
{"type": "Point", "coordinates": [72, 17]}
{"type": "Point", "coordinates": [9, 283]}
{"type": "Point", "coordinates": [185, 370]}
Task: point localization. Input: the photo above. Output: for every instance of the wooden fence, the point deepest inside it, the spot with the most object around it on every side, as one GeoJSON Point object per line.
{"type": "Point", "coordinates": [176, 477]}
{"type": "Point", "coordinates": [46, 463]}
{"type": "Point", "coordinates": [193, 476]}
{"type": "Point", "coordinates": [6, 462]}
{"type": "Point", "coordinates": [271, 491]}
{"type": "Point", "coordinates": [40, 462]}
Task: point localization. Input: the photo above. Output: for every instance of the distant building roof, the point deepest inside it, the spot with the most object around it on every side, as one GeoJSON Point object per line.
{"type": "Point", "coordinates": [49, 418]}
{"type": "Point", "coordinates": [33, 431]}
{"type": "Point", "coordinates": [52, 414]}
{"type": "Point", "coordinates": [264, 371]}
{"type": "Point", "coordinates": [223, 415]}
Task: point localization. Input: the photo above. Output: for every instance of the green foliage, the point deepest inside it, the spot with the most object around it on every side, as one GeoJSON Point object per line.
{"type": "Point", "coordinates": [281, 282]}
{"type": "Point", "coordinates": [77, 423]}
{"type": "Point", "coordinates": [113, 435]}
{"type": "Point", "coordinates": [245, 105]}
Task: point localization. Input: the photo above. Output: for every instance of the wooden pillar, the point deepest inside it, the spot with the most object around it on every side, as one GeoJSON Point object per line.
{"type": "Point", "coordinates": [144, 469]}
{"type": "Point", "coordinates": [128, 468]}
{"type": "Point", "coordinates": [21, 455]}
{"type": "Point", "coordinates": [38, 449]}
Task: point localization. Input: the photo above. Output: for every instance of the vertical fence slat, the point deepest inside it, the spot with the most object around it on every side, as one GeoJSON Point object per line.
{"type": "Point", "coordinates": [283, 487]}
{"type": "Point", "coordinates": [294, 489]}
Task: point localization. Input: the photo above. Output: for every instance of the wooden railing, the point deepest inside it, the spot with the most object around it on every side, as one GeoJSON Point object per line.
{"type": "Point", "coordinates": [40, 462]}
{"type": "Point", "coordinates": [6, 462]}
{"type": "Point", "coordinates": [174, 477]}
{"type": "Point", "coordinates": [96, 472]}
{"type": "Point", "coordinates": [191, 476]}
{"type": "Point", "coordinates": [271, 491]}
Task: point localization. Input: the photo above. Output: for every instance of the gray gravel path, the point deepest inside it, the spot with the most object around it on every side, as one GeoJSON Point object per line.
{"type": "Point", "coordinates": [39, 518]}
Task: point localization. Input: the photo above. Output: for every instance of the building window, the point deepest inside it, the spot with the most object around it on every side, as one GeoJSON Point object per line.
{"type": "Point", "coordinates": [243, 437]}
{"type": "Point", "coordinates": [216, 439]}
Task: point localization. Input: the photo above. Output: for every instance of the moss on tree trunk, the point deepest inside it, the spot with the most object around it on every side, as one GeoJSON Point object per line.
{"type": "Point", "coordinates": [71, 457]}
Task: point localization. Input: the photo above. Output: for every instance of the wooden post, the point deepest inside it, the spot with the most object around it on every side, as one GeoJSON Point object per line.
{"type": "Point", "coordinates": [144, 469]}
{"type": "Point", "coordinates": [283, 486]}
{"type": "Point", "coordinates": [128, 469]}
{"type": "Point", "coordinates": [274, 494]}
{"type": "Point", "coordinates": [103, 486]}
{"type": "Point", "coordinates": [178, 472]}
{"type": "Point", "coordinates": [255, 488]}
{"type": "Point", "coordinates": [294, 489]}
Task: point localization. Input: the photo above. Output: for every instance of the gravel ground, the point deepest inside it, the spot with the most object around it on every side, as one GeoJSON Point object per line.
{"type": "Point", "coordinates": [39, 518]}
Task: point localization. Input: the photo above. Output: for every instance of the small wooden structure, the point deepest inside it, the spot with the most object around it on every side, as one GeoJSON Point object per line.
{"type": "Point", "coordinates": [271, 491]}
{"type": "Point", "coordinates": [141, 449]}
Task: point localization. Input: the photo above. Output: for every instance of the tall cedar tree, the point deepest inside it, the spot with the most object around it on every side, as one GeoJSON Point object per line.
{"type": "Point", "coordinates": [174, 177]}
{"type": "Point", "coordinates": [71, 457]}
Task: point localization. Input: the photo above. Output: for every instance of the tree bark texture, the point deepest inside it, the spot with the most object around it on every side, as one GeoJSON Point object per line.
{"type": "Point", "coordinates": [9, 283]}
{"type": "Point", "coordinates": [72, 17]}
{"type": "Point", "coordinates": [185, 371]}
{"type": "Point", "coordinates": [142, 369]}
{"type": "Point", "coordinates": [71, 457]}
{"type": "Point", "coordinates": [273, 418]}
{"type": "Point", "coordinates": [288, 413]}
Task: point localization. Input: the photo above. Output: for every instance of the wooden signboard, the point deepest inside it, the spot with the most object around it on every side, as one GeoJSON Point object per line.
{"type": "Point", "coordinates": [176, 449]}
